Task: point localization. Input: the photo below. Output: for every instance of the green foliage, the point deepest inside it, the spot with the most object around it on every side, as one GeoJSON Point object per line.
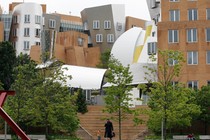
{"type": "Point", "coordinates": [104, 59]}
{"type": "Point", "coordinates": [81, 102]}
{"type": "Point", "coordinates": [174, 105]}
{"type": "Point", "coordinates": [203, 100]}
{"type": "Point", "coordinates": [7, 61]}
{"type": "Point", "coordinates": [40, 101]}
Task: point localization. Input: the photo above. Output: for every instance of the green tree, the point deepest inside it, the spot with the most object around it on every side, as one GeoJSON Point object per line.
{"type": "Point", "coordinates": [81, 102]}
{"type": "Point", "coordinates": [104, 59]}
{"type": "Point", "coordinates": [203, 100]}
{"type": "Point", "coordinates": [174, 105]}
{"type": "Point", "coordinates": [7, 61]}
{"type": "Point", "coordinates": [43, 101]}
{"type": "Point", "coordinates": [118, 93]}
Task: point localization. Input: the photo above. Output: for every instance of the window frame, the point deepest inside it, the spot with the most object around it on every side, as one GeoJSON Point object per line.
{"type": "Point", "coordinates": [173, 13]}
{"type": "Point", "coordinates": [37, 32]}
{"type": "Point", "coordinates": [107, 24]}
{"type": "Point", "coordinates": [26, 32]}
{"type": "Point", "coordinates": [192, 57]}
{"type": "Point", "coordinates": [27, 18]}
{"type": "Point", "coordinates": [110, 38]}
{"type": "Point", "coordinates": [194, 84]}
{"type": "Point", "coordinates": [173, 40]}
{"type": "Point", "coordinates": [99, 38]}
{"type": "Point", "coordinates": [207, 13]}
{"type": "Point", "coordinates": [193, 12]}
{"type": "Point", "coordinates": [26, 45]}
{"type": "Point", "coordinates": [152, 48]}
{"type": "Point", "coordinates": [96, 24]}
{"type": "Point", "coordinates": [52, 23]}
{"type": "Point", "coordinates": [208, 57]}
{"type": "Point", "coordinates": [190, 31]}
{"type": "Point", "coordinates": [37, 19]}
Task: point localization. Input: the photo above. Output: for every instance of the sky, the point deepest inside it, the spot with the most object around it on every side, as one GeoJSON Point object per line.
{"type": "Point", "coordinates": [134, 8]}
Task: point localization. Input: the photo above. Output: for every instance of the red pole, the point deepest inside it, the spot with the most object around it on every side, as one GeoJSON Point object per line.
{"type": "Point", "coordinates": [7, 118]}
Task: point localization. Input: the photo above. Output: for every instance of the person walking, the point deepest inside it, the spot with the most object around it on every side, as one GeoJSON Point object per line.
{"type": "Point", "coordinates": [108, 129]}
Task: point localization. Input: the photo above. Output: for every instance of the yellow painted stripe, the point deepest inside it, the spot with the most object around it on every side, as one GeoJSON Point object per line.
{"type": "Point", "coordinates": [137, 53]}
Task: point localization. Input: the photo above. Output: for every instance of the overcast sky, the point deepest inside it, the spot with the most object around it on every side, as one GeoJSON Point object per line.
{"type": "Point", "coordinates": [134, 8]}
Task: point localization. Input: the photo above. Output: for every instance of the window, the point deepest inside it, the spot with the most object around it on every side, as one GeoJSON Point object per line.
{"type": "Point", "coordinates": [15, 19]}
{"type": "Point", "coordinates": [26, 32]}
{"type": "Point", "coordinates": [174, 83]}
{"type": "Point", "coordinates": [80, 41]}
{"type": "Point", "coordinates": [192, 57]}
{"type": "Point", "coordinates": [26, 45]}
{"type": "Point", "coordinates": [37, 32]}
{"type": "Point", "coordinates": [107, 24]}
{"type": "Point", "coordinates": [15, 32]}
{"type": "Point", "coordinates": [110, 38]}
{"type": "Point", "coordinates": [192, 84]}
{"type": "Point", "coordinates": [151, 48]}
{"type": "Point", "coordinates": [192, 35]}
{"type": "Point", "coordinates": [37, 19]}
{"type": "Point", "coordinates": [27, 19]}
{"type": "Point", "coordinates": [174, 15]}
{"type": "Point", "coordinates": [193, 14]}
{"type": "Point", "coordinates": [96, 24]}
{"type": "Point", "coordinates": [37, 43]}
{"type": "Point", "coordinates": [119, 26]}
{"type": "Point", "coordinates": [52, 23]}
{"type": "Point", "coordinates": [208, 82]}
{"type": "Point", "coordinates": [207, 34]}
{"type": "Point", "coordinates": [208, 57]}
{"type": "Point", "coordinates": [208, 13]}
{"type": "Point", "coordinates": [99, 38]}
{"type": "Point", "coordinates": [173, 36]}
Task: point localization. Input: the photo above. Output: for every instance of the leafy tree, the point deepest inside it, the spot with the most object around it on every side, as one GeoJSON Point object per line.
{"type": "Point", "coordinates": [42, 100]}
{"type": "Point", "coordinates": [81, 102]}
{"type": "Point", "coordinates": [7, 61]}
{"type": "Point", "coordinates": [203, 100]}
{"type": "Point", "coordinates": [174, 105]}
{"type": "Point", "coordinates": [118, 93]}
{"type": "Point", "coordinates": [104, 59]}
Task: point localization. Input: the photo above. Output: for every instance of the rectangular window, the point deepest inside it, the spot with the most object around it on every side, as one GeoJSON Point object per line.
{"type": "Point", "coordinates": [192, 84]}
{"type": "Point", "coordinates": [27, 19]}
{"type": "Point", "coordinates": [52, 23]}
{"type": "Point", "coordinates": [207, 34]}
{"type": "Point", "coordinates": [96, 24]}
{"type": "Point", "coordinates": [174, 15]}
{"type": "Point", "coordinates": [208, 57]}
{"type": "Point", "coordinates": [107, 24]}
{"type": "Point", "coordinates": [15, 32]}
{"type": "Point", "coordinates": [99, 38]}
{"type": "Point", "coordinates": [37, 19]}
{"type": "Point", "coordinates": [119, 26]}
{"type": "Point", "coordinates": [174, 83]}
{"type": "Point", "coordinates": [208, 13]}
{"type": "Point", "coordinates": [173, 36]}
{"type": "Point", "coordinates": [193, 14]}
{"type": "Point", "coordinates": [26, 45]}
{"type": "Point", "coordinates": [37, 43]}
{"type": "Point", "coordinates": [192, 58]}
{"type": "Point", "coordinates": [208, 82]}
{"type": "Point", "coordinates": [192, 35]}
{"type": "Point", "coordinates": [37, 32]}
{"type": "Point", "coordinates": [80, 41]}
{"type": "Point", "coordinates": [15, 19]}
{"type": "Point", "coordinates": [26, 32]}
{"type": "Point", "coordinates": [110, 38]}
{"type": "Point", "coordinates": [151, 48]}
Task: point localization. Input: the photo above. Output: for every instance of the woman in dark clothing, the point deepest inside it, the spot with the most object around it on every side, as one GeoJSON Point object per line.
{"type": "Point", "coordinates": [108, 129]}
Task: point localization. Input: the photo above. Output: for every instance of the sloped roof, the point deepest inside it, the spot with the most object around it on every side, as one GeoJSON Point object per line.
{"type": "Point", "coordinates": [84, 77]}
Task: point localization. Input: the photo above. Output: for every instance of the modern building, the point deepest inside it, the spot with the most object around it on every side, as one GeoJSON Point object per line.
{"type": "Point", "coordinates": [185, 26]}
{"type": "Point", "coordinates": [104, 25]}
{"type": "Point", "coordinates": [26, 27]}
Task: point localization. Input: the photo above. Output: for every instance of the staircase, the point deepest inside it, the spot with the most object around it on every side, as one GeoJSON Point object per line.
{"type": "Point", "coordinates": [95, 119]}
